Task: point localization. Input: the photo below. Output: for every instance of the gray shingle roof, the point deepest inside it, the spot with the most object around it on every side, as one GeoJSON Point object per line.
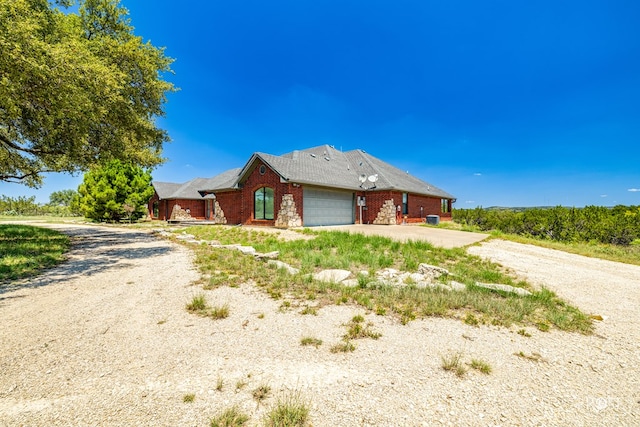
{"type": "Point", "coordinates": [322, 166]}
{"type": "Point", "coordinates": [227, 180]}
{"type": "Point", "coordinates": [327, 167]}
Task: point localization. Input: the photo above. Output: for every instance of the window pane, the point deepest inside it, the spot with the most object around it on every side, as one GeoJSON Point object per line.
{"type": "Point", "coordinates": [258, 204]}
{"type": "Point", "coordinates": [268, 203]}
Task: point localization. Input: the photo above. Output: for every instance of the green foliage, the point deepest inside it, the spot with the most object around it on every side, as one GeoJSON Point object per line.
{"type": "Point", "coordinates": [76, 89]}
{"type": "Point", "coordinates": [62, 197]}
{"type": "Point", "coordinates": [619, 225]}
{"type": "Point", "coordinates": [114, 192]}
{"type": "Point", "coordinates": [26, 250]}
{"type": "Point", "coordinates": [19, 206]}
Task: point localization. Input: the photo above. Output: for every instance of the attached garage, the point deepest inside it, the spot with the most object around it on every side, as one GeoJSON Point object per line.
{"type": "Point", "coordinates": [328, 207]}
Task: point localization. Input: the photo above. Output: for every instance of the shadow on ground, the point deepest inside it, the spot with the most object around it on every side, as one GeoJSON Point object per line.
{"type": "Point", "coordinates": [93, 250]}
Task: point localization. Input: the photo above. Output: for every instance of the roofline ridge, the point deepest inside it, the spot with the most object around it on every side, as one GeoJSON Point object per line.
{"type": "Point", "coordinates": [376, 168]}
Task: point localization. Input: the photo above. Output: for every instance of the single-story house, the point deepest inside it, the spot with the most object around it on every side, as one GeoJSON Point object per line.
{"type": "Point", "coordinates": [316, 186]}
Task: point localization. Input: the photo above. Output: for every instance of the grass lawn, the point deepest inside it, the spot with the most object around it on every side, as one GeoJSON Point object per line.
{"type": "Point", "coordinates": [25, 250]}
{"type": "Point", "coordinates": [358, 253]}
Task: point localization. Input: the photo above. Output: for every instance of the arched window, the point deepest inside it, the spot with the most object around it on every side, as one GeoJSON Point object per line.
{"type": "Point", "coordinates": [263, 203]}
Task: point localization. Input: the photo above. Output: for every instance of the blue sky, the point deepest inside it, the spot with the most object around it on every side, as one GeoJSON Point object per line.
{"type": "Point", "coordinates": [498, 102]}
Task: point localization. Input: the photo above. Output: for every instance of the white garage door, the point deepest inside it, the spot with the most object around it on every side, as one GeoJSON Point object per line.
{"type": "Point", "coordinates": [327, 207]}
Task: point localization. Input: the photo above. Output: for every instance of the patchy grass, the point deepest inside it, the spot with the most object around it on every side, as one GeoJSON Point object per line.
{"type": "Point", "coordinates": [453, 362]}
{"type": "Point", "coordinates": [290, 410]}
{"type": "Point", "coordinates": [316, 342]}
{"type": "Point", "coordinates": [357, 329]}
{"type": "Point", "coordinates": [188, 398]}
{"type": "Point", "coordinates": [219, 312]}
{"type": "Point", "coordinates": [261, 392]}
{"type": "Point", "coordinates": [357, 253]}
{"type": "Point", "coordinates": [343, 347]}
{"type": "Point", "coordinates": [230, 417]}
{"type": "Point", "coordinates": [26, 250]}
{"type": "Point", "coordinates": [197, 304]}
{"type": "Point", "coordinates": [481, 365]}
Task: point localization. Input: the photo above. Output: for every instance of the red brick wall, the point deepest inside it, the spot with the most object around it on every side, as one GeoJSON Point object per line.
{"type": "Point", "coordinates": [231, 204]}
{"type": "Point", "coordinates": [165, 207]}
{"type": "Point", "coordinates": [375, 200]}
{"type": "Point", "coordinates": [431, 206]}
{"type": "Point", "coordinates": [270, 179]}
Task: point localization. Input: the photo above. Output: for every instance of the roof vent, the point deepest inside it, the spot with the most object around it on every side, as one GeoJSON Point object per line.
{"type": "Point", "coordinates": [312, 155]}
{"type": "Point", "coordinates": [326, 158]}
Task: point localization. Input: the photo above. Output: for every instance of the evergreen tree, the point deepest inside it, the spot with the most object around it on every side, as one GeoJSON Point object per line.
{"type": "Point", "coordinates": [115, 191]}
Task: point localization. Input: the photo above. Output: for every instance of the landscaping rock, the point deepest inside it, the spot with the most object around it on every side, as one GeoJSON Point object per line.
{"type": "Point", "coordinates": [268, 255]}
{"type": "Point", "coordinates": [351, 283]}
{"type": "Point", "coordinates": [280, 264]}
{"type": "Point", "coordinates": [457, 286]}
{"type": "Point", "coordinates": [333, 276]}
{"type": "Point", "coordinates": [504, 288]}
{"type": "Point", "coordinates": [432, 270]}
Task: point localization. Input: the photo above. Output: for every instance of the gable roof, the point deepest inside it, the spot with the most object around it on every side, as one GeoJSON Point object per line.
{"type": "Point", "coordinates": [327, 167]}
{"type": "Point", "coordinates": [322, 166]}
{"type": "Point", "coordinates": [227, 180]}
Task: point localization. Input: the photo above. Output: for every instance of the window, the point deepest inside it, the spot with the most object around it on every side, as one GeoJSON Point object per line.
{"type": "Point", "coordinates": [446, 205]}
{"type": "Point", "coordinates": [263, 203]}
{"type": "Point", "coordinates": [156, 210]}
{"type": "Point", "coordinates": [405, 203]}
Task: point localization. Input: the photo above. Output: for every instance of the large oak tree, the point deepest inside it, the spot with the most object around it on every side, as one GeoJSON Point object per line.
{"type": "Point", "coordinates": [77, 89]}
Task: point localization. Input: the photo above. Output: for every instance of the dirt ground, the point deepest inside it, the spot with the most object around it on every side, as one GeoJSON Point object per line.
{"type": "Point", "coordinates": [104, 339]}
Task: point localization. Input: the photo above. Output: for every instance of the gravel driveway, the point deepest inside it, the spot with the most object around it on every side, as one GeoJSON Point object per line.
{"type": "Point", "coordinates": [104, 339]}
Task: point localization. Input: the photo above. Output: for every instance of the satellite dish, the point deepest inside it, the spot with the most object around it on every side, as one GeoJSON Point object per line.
{"type": "Point", "coordinates": [362, 178]}
{"type": "Point", "coordinates": [373, 178]}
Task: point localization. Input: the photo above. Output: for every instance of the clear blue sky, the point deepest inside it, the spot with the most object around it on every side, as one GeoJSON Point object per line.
{"type": "Point", "coordinates": [499, 102]}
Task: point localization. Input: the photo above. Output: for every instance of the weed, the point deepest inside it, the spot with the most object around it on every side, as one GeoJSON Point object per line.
{"type": "Point", "coordinates": [311, 341]}
{"type": "Point", "coordinates": [309, 310]}
{"type": "Point", "coordinates": [471, 319]}
{"type": "Point", "coordinates": [543, 326]}
{"type": "Point", "coordinates": [524, 333]}
{"type": "Point", "coordinates": [261, 392]}
{"type": "Point", "coordinates": [188, 398]}
{"type": "Point", "coordinates": [198, 303]}
{"type": "Point", "coordinates": [343, 347]}
{"type": "Point", "coordinates": [290, 410]}
{"type": "Point", "coordinates": [534, 357]}
{"type": "Point", "coordinates": [219, 312]}
{"type": "Point", "coordinates": [261, 316]}
{"type": "Point", "coordinates": [219, 383]}
{"type": "Point", "coordinates": [162, 321]}
{"type": "Point", "coordinates": [357, 329]}
{"type": "Point", "coordinates": [240, 384]}
{"type": "Point", "coordinates": [481, 365]}
{"type": "Point", "coordinates": [453, 362]}
{"type": "Point", "coordinates": [231, 417]}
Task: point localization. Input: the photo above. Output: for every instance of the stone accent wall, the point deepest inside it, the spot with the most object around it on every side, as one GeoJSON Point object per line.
{"type": "Point", "coordinates": [179, 214]}
{"type": "Point", "coordinates": [218, 213]}
{"type": "Point", "coordinates": [386, 214]}
{"type": "Point", "coordinates": [288, 214]}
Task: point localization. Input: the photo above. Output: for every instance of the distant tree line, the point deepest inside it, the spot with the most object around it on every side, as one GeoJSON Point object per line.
{"type": "Point", "coordinates": [619, 225]}
{"type": "Point", "coordinates": [59, 205]}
